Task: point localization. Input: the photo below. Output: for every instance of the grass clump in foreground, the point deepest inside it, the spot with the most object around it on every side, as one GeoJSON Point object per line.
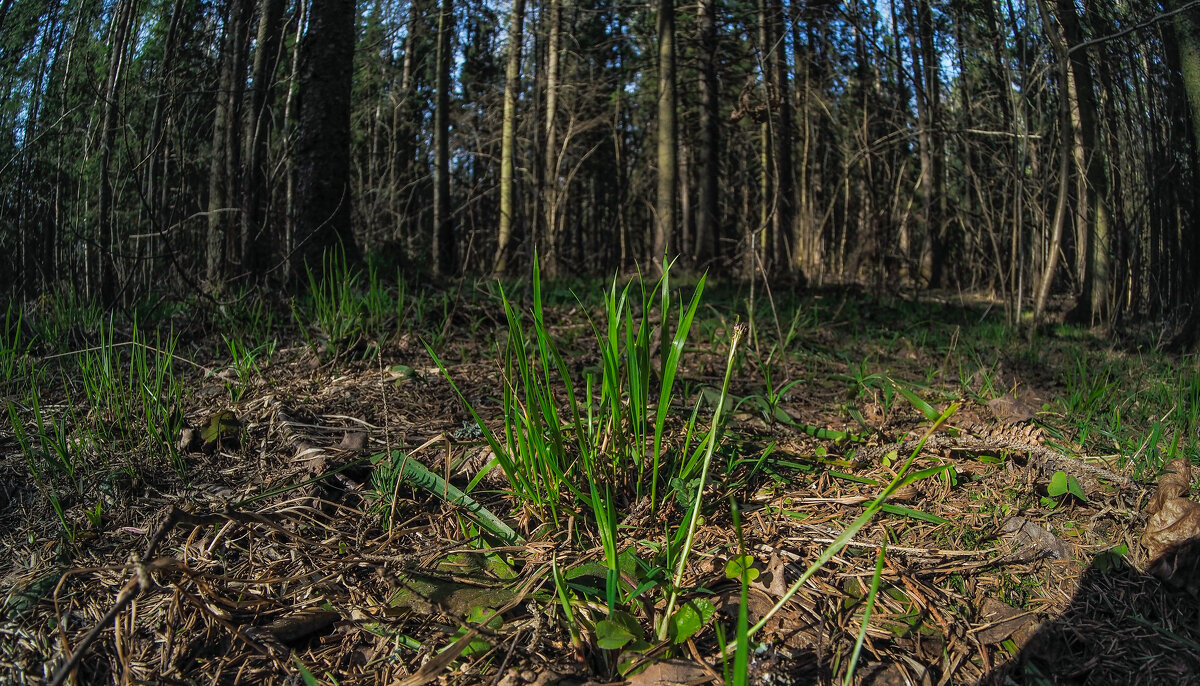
{"type": "Point", "coordinates": [600, 445]}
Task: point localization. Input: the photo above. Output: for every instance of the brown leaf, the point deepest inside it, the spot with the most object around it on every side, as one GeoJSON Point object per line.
{"type": "Point", "coordinates": [669, 673]}
{"type": "Point", "coordinates": [1176, 521]}
{"type": "Point", "coordinates": [300, 624]}
{"type": "Point", "coordinates": [1004, 622]}
{"type": "Point", "coordinates": [1033, 540]}
{"type": "Point", "coordinates": [1176, 482]}
{"type": "Point", "coordinates": [354, 441]}
{"type": "Point", "coordinates": [771, 581]}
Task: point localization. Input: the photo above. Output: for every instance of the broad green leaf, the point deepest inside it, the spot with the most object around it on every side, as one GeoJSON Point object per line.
{"type": "Point", "coordinates": [690, 618]}
{"type": "Point", "coordinates": [1075, 489]}
{"type": "Point", "coordinates": [1058, 485]}
{"type": "Point", "coordinates": [222, 427]}
{"type": "Point", "coordinates": [611, 634]}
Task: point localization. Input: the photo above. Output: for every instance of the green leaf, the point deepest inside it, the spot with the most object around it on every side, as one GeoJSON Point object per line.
{"type": "Point", "coordinates": [1058, 484]}
{"type": "Point", "coordinates": [309, 679]}
{"type": "Point", "coordinates": [913, 514]}
{"type": "Point", "coordinates": [417, 474]}
{"type": "Point", "coordinates": [917, 402]}
{"type": "Point", "coordinates": [690, 618]}
{"type": "Point", "coordinates": [222, 427]}
{"type": "Point", "coordinates": [1075, 489]}
{"type": "Point", "coordinates": [741, 568]}
{"type": "Point", "coordinates": [611, 634]}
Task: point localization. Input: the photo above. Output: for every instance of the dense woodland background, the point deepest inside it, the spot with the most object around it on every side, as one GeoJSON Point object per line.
{"type": "Point", "coordinates": [1027, 148]}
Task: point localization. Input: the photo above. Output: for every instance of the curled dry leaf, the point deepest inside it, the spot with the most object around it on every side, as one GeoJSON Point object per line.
{"type": "Point", "coordinates": [1172, 536]}
{"type": "Point", "coordinates": [1176, 482]}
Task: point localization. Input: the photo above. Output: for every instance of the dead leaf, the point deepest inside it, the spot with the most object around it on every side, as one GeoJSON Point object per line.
{"type": "Point", "coordinates": [1033, 540]}
{"type": "Point", "coordinates": [300, 624]}
{"type": "Point", "coordinates": [1008, 409]}
{"type": "Point", "coordinates": [1172, 537]}
{"type": "Point", "coordinates": [1177, 521]}
{"type": "Point", "coordinates": [1176, 482]}
{"type": "Point", "coordinates": [1004, 622]}
{"type": "Point", "coordinates": [354, 441]}
{"type": "Point", "coordinates": [771, 580]}
{"type": "Point", "coordinates": [669, 673]}
{"type": "Point", "coordinates": [189, 439]}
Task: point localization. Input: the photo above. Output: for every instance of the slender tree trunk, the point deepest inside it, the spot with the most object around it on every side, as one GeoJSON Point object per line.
{"type": "Point", "coordinates": [784, 224]}
{"type": "Point", "coordinates": [508, 135]}
{"type": "Point", "coordinates": [1187, 37]}
{"type": "Point", "coordinates": [256, 239]}
{"type": "Point", "coordinates": [664, 224]}
{"type": "Point", "coordinates": [123, 16]}
{"type": "Point", "coordinates": [444, 247]}
{"type": "Point", "coordinates": [550, 194]}
{"type": "Point", "coordinates": [323, 190]}
{"type": "Point", "coordinates": [225, 164]}
{"type": "Point", "coordinates": [708, 199]}
{"type": "Point", "coordinates": [1094, 302]}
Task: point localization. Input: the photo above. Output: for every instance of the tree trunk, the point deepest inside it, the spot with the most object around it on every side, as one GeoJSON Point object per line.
{"type": "Point", "coordinates": [1093, 305]}
{"type": "Point", "coordinates": [225, 163]}
{"type": "Point", "coordinates": [783, 226]}
{"type": "Point", "coordinates": [664, 224]}
{"type": "Point", "coordinates": [323, 200]}
{"type": "Point", "coordinates": [444, 248]}
{"type": "Point", "coordinates": [708, 200]}
{"type": "Point", "coordinates": [508, 136]}
{"type": "Point", "coordinates": [105, 272]}
{"type": "Point", "coordinates": [257, 241]}
{"type": "Point", "coordinates": [1187, 37]}
{"type": "Point", "coordinates": [550, 195]}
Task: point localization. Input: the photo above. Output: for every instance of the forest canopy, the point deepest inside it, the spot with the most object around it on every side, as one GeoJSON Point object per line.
{"type": "Point", "coordinates": [1027, 148]}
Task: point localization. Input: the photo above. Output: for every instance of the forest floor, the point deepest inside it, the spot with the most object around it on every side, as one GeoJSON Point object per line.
{"type": "Point", "coordinates": [900, 491]}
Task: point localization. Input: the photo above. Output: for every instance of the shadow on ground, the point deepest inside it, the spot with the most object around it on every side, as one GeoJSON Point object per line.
{"type": "Point", "coordinates": [1122, 627]}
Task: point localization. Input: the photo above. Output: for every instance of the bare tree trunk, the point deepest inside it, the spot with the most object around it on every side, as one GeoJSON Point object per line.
{"type": "Point", "coordinates": [708, 200]}
{"type": "Point", "coordinates": [290, 108]}
{"type": "Point", "coordinates": [785, 194]}
{"type": "Point", "coordinates": [444, 248]}
{"type": "Point", "coordinates": [664, 224]}
{"type": "Point", "coordinates": [105, 274]}
{"type": "Point", "coordinates": [1064, 173]}
{"type": "Point", "coordinates": [508, 135]}
{"type": "Point", "coordinates": [1187, 36]}
{"type": "Point", "coordinates": [323, 192]}
{"type": "Point", "coordinates": [256, 241]}
{"type": "Point", "coordinates": [1094, 302]}
{"type": "Point", "coordinates": [550, 195]}
{"type": "Point", "coordinates": [225, 165]}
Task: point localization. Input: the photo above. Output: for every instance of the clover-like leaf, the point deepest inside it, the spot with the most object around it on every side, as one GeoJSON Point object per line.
{"type": "Point", "coordinates": [741, 568]}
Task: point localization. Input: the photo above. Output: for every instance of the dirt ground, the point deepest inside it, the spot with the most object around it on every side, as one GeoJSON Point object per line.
{"type": "Point", "coordinates": [277, 556]}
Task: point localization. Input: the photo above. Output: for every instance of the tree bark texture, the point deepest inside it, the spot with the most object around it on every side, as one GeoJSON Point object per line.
{"type": "Point", "coordinates": [323, 199]}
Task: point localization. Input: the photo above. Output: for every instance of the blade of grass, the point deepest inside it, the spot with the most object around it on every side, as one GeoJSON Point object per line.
{"type": "Point", "coordinates": [739, 330]}
{"type": "Point", "coordinates": [862, 631]}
